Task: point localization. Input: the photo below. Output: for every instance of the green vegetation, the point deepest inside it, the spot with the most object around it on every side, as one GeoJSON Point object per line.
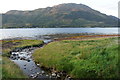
{"type": "Point", "coordinates": [63, 15]}
{"type": "Point", "coordinates": [9, 45]}
{"type": "Point", "coordinates": [10, 69]}
{"type": "Point", "coordinates": [81, 59]}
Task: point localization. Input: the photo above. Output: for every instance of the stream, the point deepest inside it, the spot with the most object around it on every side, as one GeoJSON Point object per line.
{"type": "Point", "coordinates": [23, 58]}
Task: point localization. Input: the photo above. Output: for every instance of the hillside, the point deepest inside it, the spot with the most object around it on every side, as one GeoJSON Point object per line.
{"type": "Point", "coordinates": [62, 15]}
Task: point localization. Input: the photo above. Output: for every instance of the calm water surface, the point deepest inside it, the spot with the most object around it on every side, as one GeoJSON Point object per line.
{"type": "Point", "coordinates": [32, 32]}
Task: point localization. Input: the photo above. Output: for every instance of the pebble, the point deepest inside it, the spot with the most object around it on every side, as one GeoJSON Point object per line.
{"type": "Point", "coordinates": [53, 74]}
{"type": "Point", "coordinates": [30, 69]}
{"type": "Point", "coordinates": [31, 75]}
{"type": "Point", "coordinates": [42, 72]}
{"type": "Point", "coordinates": [35, 75]}
{"type": "Point", "coordinates": [47, 75]}
{"type": "Point", "coordinates": [69, 77]}
{"type": "Point", "coordinates": [50, 76]}
{"type": "Point", "coordinates": [38, 64]}
{"type": "Point", "coordinates": [38, 73]}
{"type": "Point", "coordinates": [24, 68]}
{"type": "Point", "coordinates": [58, 75]}
{"type": "Point", "coordinates": [28, 60]}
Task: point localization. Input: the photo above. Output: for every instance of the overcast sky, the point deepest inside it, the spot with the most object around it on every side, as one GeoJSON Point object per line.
{"type": "Point", "coordinates": [109, 7]}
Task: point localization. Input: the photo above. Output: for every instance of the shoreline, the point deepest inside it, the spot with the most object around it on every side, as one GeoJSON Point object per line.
{"type": "Point", "coordinates": [74, 38]}
{"type": "Point", "coordinates": [62, 35]}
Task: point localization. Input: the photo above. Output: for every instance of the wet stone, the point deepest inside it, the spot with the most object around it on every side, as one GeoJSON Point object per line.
{"type": "Point", "coordinates": [53, 74]}
{"type": "Point", "coordinates": [38, 64]}
{"type": "Point", "coordinates": [58, 75]}
{"type": "Point", "coordinates": [30, 68]}
{"type": "Point", "coordinates": [38, 73]}
{"type": "Point", "coordinates": [31, 75]}
{"type": "Point", "coordinates": [24, 68]}
{"type": "Point", "coordinates": [42, 72]}
{"type": "Point", "coordinates": [47, 75]}
{"type": "Point", "coordinates": [28, 60]}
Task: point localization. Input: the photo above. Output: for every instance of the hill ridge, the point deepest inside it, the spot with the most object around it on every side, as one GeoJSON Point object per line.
{"type": "Point", "coordinates": [62, 15]}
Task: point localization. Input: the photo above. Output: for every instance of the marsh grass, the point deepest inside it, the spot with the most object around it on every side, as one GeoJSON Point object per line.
{"type": "Point", "coordinates": [9, 68]}
{"type": "Point", "coordinates": [9, 45]}
{"type": "Point", "coordinates": [81, 59]}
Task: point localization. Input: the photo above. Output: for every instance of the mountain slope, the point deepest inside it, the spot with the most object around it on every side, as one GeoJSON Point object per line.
{"type": "Point", "coordinates": [63, 15]}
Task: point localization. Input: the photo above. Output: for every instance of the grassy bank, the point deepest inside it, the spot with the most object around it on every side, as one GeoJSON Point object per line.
{"type": "Point", "coordinates": [95, 58]}
{"type": "Point", "coordinates": [9, 68]}
{"type": "Point", "coordinates": [9, 45]}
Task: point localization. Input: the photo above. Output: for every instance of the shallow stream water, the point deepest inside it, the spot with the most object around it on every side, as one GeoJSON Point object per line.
{"type": "Point", "coordinates": [23, 58]}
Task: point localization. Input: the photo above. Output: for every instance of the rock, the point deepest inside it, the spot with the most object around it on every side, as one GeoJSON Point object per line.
{"type": "Point", "coordinates": [18, 57]}
{"type": "Point", "coordinates": [14, 58]}
{"type": "Point", "coordinates": [25, 64]}
{"type": "Point", "coordinates": [50, 76]}
{"type": "Point", "coordinates": [11, 57]}
{"type": "Point", "coordinates": [53, 74]}
{"type": "Point", "coordinates": [61, 73]}
{"type": "Point", "coordinates": [58, 75]}
{"type": "Point", "coordinates": [69, 78]}
{"type": "Point", "coordinates": [31, 75]}
{"type": "Point", "coordinates": [30, 56]}
{"type": "Point", "coordinates": [38, 64]}
{"type": "Point", "coordinates": [47, 75]}
{"type": "Point", "coordinates": [14, 54]}
{"type": "Point", "coordinates": [38, 73]}
{"type": "Point", "coordinates": [28, 60]}
{"type": "Point", "coordinates": [22, 58]}
{"type": "Point", "coordinates": [42, 72]}
{"type": "Point", "coordinates": [30, 69]}
{"type": "Point", "coordinates": [35, 76]}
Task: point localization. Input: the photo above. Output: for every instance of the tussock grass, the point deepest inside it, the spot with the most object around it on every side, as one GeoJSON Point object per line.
{"type": "Point", "coordinates": [81, 59]}
{"type": "Point", "coordinates": [10, 69]}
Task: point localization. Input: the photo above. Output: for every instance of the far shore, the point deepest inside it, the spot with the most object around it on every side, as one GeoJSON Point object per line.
{"type": "Point", "coordinates": [57, 37]}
